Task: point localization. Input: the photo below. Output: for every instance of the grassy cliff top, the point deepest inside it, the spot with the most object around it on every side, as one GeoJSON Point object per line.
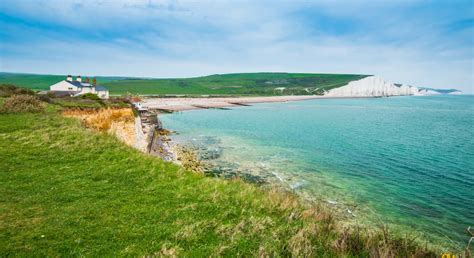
{"type": "Point", "coordinates": [70, 191]}
{"type": "Point", "coordinates": [250, 84]}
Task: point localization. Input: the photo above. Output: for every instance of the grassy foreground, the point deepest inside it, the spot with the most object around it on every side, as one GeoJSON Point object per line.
{"type": "Point", "coordinates": [249, 84]}
{"type": "Point", "coordinates": [68, 191]}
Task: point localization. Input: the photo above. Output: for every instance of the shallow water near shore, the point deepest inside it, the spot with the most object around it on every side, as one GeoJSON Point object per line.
{"type": "Point", "coordinates": [404, 161]}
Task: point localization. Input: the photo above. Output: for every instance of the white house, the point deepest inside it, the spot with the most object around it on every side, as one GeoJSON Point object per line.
{"type": "Point", "coordinates": [77, 87]}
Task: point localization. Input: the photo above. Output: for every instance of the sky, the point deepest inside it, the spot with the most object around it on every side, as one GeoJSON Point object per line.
{"type": "Point", "coordinates": [421, 43]}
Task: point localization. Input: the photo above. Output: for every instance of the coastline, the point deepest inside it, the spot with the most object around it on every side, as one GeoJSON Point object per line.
{"type": "Point", "coordinates": [346, 215]}
{"type": "Point", "coordinates": [127, 193]}
{"type": "Point", "coordinates": [344, 212]}
{"type": "Point", "coordinates": [200, 160]}
{"type": "Point", "coordinates": [162, 145]}
{"type": "Point", "coordinates": [171, 150]}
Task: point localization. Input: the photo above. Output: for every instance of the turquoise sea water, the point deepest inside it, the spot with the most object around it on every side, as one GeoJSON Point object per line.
{"type": "Point", "coordinates": [405, 161]}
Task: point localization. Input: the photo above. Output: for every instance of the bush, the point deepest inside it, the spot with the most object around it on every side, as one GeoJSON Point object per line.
{"type": "Point", "coordinates": [46, 98]}
{"type": "Point", "coordinates": [117, 102]}
{"type": "Point", "coordinates": [22, 103]}
{"type": "Point", "coordinates": [90, 96]}
{"type": "Point", "coordinates": [8, 90]}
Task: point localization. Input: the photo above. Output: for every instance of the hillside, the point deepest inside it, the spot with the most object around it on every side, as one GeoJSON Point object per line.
{"type": "Point", "coordinates": [236, 84]}
{"type": "Point", "coordinates": [256, 84]}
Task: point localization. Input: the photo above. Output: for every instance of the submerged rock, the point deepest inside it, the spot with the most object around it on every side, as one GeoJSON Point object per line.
{"type": "Point", "coordinates": [228, 170]}
{"type": "Point", "coordinates": [211, 153]}
{"type": "Point", "coordinates": [253, 179]}
{"type": "Point", "coordinates": [297, 185]}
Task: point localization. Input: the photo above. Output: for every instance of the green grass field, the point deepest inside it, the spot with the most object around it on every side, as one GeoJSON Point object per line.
{"type": "Point", "coordinates": [249, 84]}
{"type": "Point", "coordinates": [69, 191]}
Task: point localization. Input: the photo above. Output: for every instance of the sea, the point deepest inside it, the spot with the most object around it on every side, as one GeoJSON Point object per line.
{"type": "Point", "coordinates": [405, 162]}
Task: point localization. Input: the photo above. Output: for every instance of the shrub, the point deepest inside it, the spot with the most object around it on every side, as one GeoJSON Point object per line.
{"type": "Point", "coordinates": [117, 102]}
{"type": "Point", "coordinates": [8, 90]}
{"type": "Point", "coordinates": [90, 96]}
{"type": "Point", "coordinates": [22, 103]}
{"type": "Point", "coordinates": [45, 97]}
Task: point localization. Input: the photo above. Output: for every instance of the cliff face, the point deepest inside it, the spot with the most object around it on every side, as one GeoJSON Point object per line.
{"type": "Point", "coordinates": [372, 86]}
{"type": "Point", "coordinates": [119, 122]}
{"type": "Point", "coordinates": [140, 137]}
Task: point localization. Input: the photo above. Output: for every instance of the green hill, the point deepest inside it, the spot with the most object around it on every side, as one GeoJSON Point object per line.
{"type": "Point", "coordinates": [32, 81]}
{"type": "Point", "coordinates": [39, 81]}
{"type": "Point", "coordinates": [257, 84]}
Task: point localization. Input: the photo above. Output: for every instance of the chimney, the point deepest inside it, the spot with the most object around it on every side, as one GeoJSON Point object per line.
{"type": "Point", "coordinates": [78, 78]}
{"type": "Point", "coordinates": [69, 78]}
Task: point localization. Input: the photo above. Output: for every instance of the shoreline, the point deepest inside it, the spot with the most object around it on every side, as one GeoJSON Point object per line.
{"type": "Point", "coordinates": [185, 104]}
{"type": "Point", "coordinates": [347, 215]}
{"type": "Point", "coordinates": [194, 158]}
{"type": "Point", "coordinates": [344, 211]}
{"type": "Point", "coordinates": [170, 200]}
{"type": "Point", "coordinates": [175, 104]}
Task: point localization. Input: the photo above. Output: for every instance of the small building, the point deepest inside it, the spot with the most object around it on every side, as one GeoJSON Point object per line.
{"type": "Point", "coordinates": [138, 106]}
{"type": "Point", "coordinates": [77, 87]}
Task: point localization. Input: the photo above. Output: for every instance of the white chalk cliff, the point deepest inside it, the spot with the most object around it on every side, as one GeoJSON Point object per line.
{"type": "Point", "coordinates": [372, 86]}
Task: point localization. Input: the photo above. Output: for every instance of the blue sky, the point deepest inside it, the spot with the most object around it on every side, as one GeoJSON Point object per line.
{"type": "Point", "coordinates": [423, 43]}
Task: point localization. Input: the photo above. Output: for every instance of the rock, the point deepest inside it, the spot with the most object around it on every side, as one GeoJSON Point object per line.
{"type": "Point", "coordinates": [253, 179]}
{"type": "Point", "coordinates": [210, 153]}
{"type": "Point", "coordinates": [350, 212]}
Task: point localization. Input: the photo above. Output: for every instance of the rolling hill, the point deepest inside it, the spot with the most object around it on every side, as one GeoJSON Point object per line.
{"type": "Point", "coordinates": [250, 84]}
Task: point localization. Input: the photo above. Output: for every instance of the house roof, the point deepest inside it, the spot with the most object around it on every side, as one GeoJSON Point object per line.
{"type": "Point", "coordinates": [85, 84]}
{"type": "Point", "coordinates": [80, 84]}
